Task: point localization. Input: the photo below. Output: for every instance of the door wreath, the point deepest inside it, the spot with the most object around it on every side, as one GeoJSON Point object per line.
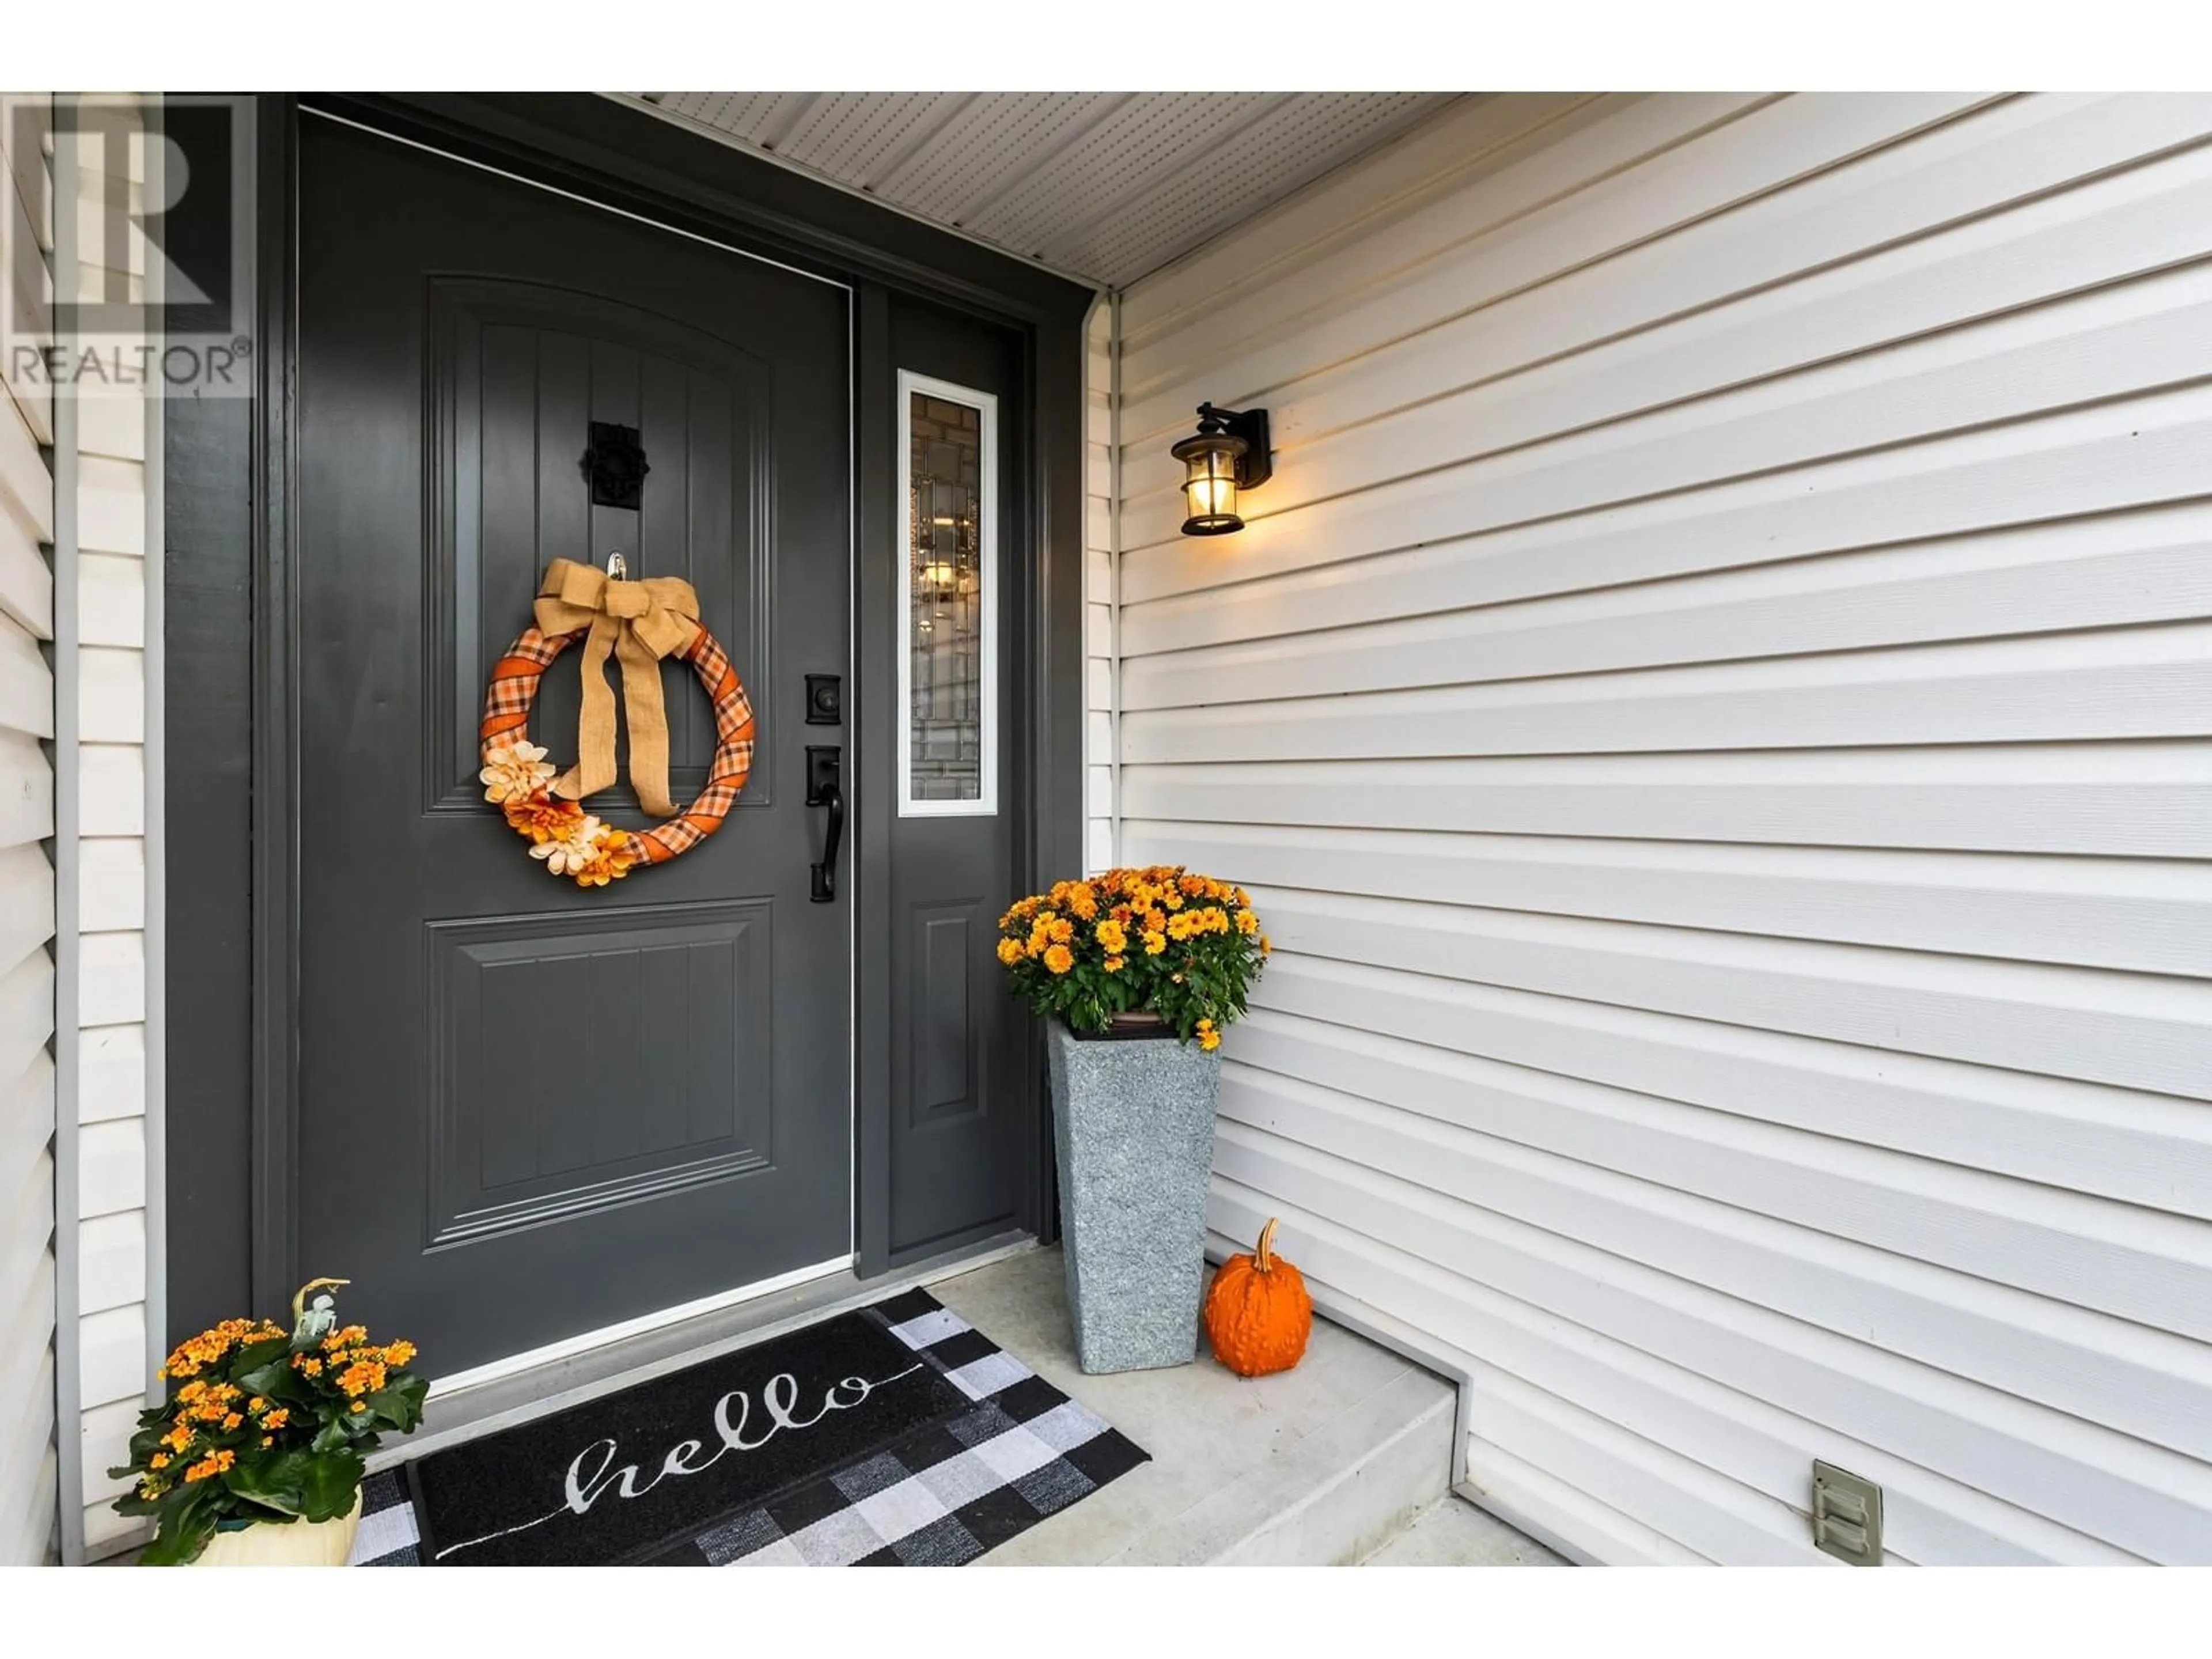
{"type": "Point", "coordinates": [638, 622]}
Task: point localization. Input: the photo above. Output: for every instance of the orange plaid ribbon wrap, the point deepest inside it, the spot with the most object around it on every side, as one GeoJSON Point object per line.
{"type": "Point", "coordinates": [637, 623]}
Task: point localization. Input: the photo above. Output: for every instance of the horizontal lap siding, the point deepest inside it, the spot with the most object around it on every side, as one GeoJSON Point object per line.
{"type": "Point", "coordinates": [28, 1455]}
{"type": "Point", "coordinates": [1713, 708]}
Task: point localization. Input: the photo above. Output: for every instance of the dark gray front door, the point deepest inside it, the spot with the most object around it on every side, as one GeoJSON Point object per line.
{"type": "Point", "coordinates": [529, 1111]}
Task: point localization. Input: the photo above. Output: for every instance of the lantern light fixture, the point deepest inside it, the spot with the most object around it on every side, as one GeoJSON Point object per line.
{"type": "Point", "coordinates": [1229, 453]}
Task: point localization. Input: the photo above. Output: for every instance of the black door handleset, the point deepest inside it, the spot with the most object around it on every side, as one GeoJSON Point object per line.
{"type": "Point", "coordinates": [825, 779]}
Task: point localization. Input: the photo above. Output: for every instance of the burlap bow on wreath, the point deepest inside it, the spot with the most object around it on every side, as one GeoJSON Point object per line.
{"type": "Point", "coordinates": [638, 624]}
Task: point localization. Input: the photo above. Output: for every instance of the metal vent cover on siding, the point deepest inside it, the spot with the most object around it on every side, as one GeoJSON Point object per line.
{"type": "Point", "coordinates": [1106, 186]}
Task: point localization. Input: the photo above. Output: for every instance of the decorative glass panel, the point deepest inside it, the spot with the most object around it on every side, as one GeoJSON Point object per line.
{"type": "Point", "coordinates": [948, 646]}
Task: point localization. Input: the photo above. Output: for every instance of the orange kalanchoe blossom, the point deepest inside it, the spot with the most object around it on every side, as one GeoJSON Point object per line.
{"type": "Point", "coordinates": [195, 1353]}
{"type": "Point", "coordinates": [213, 1464]}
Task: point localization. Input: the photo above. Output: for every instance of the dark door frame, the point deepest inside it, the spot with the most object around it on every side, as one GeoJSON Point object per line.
{"type": "Point", "coordinates": [234, 961]}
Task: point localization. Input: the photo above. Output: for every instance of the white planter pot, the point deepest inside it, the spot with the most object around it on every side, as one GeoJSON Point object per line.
{"type": "Point", "coordinates": [295, 1544]}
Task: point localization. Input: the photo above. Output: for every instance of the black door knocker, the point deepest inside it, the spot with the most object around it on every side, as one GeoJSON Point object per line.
{"type": "Point", "coordinates": [616, 464]}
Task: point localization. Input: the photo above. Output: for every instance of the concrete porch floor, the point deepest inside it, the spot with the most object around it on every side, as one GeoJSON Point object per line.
{"type": "Point", "coordinates": [1346, 1458]}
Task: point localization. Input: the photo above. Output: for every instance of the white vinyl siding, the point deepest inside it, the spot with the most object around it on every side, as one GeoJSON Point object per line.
{"type": "Point", "coordinates": [29, 1466]}
{"type": "Point", "coordinates": [1713, 708]}
{"type": "Point", "coordinates": [113, 700]}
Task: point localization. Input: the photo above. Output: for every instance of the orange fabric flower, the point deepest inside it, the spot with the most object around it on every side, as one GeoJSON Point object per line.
{"type": "Point", "coordinates": [543, 818]}
{"type": "Point", "coordinates": [613, 860]}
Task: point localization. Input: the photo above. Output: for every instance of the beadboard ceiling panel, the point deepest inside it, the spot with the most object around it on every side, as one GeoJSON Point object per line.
{"type": "Point", "coordinates": [1104, 186]}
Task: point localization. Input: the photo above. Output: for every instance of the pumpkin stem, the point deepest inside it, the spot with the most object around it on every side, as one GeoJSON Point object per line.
{"type": "Point", "coordinates": [1263, 1252]}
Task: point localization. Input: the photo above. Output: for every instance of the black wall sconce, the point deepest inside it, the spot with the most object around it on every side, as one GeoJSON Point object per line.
{"type": "Point", "coordinates": [1229, 453]}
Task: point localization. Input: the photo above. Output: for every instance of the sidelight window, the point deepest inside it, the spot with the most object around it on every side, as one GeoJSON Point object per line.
{"type": "Point", "coordinates": [948, 599]}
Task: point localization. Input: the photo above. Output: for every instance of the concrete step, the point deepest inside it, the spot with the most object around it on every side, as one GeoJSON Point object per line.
{"type": "Point", "coordinates": [1453, 1533]}
{"type": "Point", "coordinates": [1322, 1465]}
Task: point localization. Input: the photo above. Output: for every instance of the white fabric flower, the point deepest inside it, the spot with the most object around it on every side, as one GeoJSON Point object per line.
{"type": "Point", "coordinates": [515, 772]}
{"type": "Point", "coordinates": [568, 858]}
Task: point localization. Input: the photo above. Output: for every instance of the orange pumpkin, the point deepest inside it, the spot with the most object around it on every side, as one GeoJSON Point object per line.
{"type": "Point", "coordinates": [1258, 1314]}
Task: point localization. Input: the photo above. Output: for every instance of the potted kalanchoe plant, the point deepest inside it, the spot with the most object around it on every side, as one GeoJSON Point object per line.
{"type": "Point", "coordinates": [1137, 973]}
{"type": "Point", "coordinates": [257, 1455]}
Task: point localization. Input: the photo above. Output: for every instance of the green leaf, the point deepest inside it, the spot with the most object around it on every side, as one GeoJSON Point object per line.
{"type": "Point", "coordinates": [187, 1522]}
{"type": "Point", "coordinates": [398, 1404]}
{"type": "Point", "coordinates": [277, 1379]}
{"type": "Point", "coordinates": [275, 1483]}
{"type": "Point", "coordinates": [257, 1357]}
{"type": "Point", "coordinates": [332, 1481]}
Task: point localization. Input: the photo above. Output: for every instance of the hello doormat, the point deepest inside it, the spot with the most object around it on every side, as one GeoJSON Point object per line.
{"type": "Point", "coordinates": [897, 1435]}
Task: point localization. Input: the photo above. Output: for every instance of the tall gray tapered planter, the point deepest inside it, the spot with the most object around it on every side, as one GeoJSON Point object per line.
{"type": "Point", "coordinates": [1132, 1121]}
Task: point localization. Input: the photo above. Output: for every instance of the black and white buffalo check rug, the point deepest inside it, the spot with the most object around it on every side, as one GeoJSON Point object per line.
{"type": "Point", "coordinates": [896, 1435]}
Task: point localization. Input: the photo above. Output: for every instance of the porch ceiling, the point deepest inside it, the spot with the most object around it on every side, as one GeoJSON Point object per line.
{"type": "Point", "coordinates": [1103, 186]}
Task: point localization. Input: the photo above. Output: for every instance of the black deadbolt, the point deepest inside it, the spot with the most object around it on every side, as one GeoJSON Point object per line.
{"type": "Point", "coordinates": [824, 699]}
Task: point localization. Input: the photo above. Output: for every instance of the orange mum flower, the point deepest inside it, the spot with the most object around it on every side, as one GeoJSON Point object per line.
{"type": "Point", "coordinates": [1058, 959]}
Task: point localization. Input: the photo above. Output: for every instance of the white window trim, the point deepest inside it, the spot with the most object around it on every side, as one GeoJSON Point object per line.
{"type": "Point", "coordinates": [987, 405]}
